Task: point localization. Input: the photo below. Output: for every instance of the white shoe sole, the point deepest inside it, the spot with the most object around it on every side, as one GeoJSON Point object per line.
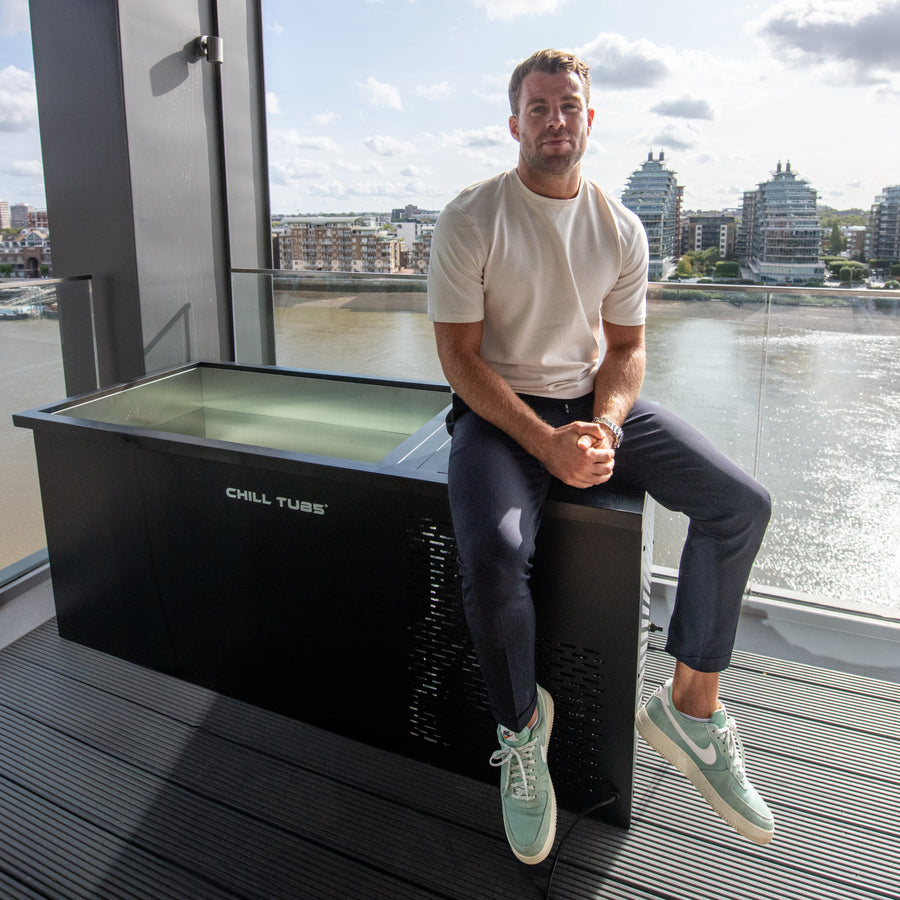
{"type": "Point", "coordinates": [673, 754]}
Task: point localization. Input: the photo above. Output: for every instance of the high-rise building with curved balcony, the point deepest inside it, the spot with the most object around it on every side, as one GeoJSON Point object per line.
{"type": "Point", "coordinates": [781, 234]}
{"type": "Point", "coordinates": [654, 194]}
{"type": "Point", "coordinates": [883, 231]}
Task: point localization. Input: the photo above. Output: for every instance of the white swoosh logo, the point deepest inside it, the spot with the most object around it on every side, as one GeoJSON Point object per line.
{"type": "Point", "coordinates": [544, 752]}
{"type": "Point", "coordinates": [707, 755]}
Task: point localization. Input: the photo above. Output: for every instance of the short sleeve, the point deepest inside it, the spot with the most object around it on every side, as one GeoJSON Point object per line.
{"type": "Point", "coordinates": [626, 303]}
{"type": "Point", "coordinates": [456, 269]}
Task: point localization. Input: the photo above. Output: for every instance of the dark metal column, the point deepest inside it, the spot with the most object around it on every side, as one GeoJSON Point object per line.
{"type": "Point", "coordinates": [135, 172]}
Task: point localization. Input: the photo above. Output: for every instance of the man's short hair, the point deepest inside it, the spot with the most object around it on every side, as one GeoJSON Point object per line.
{"type": "Point", "coordinates": [552, 62]}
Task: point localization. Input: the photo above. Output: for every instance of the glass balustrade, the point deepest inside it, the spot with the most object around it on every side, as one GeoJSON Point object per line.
{"type": "Point", "coordinates": [800, 386]}
{"type": "Point", "coordinates": [32, 374]}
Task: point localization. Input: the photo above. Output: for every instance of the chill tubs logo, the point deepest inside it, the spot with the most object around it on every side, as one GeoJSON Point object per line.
{"type": "Point", "coordinates": [302, 506]}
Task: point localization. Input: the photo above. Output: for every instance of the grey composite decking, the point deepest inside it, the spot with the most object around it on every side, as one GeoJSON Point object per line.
{"type": "Point", "coordinates": [120, 782]}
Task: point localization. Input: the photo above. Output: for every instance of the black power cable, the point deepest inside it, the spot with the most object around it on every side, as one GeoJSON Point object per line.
{"type": "Point", "coordinates": [613, 796]}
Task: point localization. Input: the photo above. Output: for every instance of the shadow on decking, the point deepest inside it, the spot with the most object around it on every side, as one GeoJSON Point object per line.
{"type": "Point", "coordinates": [120, 782]}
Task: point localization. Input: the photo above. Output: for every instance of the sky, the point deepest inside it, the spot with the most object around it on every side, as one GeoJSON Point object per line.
{"type": "Point", "coordinates": [376, 104]}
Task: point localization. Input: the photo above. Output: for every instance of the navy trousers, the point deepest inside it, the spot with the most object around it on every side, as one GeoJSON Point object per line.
{"type": "Point", "coordinates": [497, 491]}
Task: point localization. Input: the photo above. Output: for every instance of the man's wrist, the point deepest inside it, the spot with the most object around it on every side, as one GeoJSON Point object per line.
{"type": "Point", "coordinates": [536, 437]}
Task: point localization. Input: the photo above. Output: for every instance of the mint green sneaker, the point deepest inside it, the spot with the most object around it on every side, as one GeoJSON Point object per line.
{"type": "Point", "coordinates": [529, 803]}
{"type": "Point", "coordinates": [711, 756]}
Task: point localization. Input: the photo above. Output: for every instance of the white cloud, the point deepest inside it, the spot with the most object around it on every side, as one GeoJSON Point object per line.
{"type": "Point", "coordinates": [678, 136]}
{"type": "Point", "coordinates": [273, 107]}
{"type": "Point", "coordinates": [510, 9]}
{"type": "Point", "coordinates": [325, 118]}
{"type": "Point", "coordinates": [13, 17]}
{"type": "Point", "coordinates": [859, 34]}
{"type": "Point", "coordinates": [289, 172]}
{"type": "Point", "coordinates": [500, 99]}
{"type": "Point", "coordinates": [25, 168]}
{"type": "Point", "coordinates": [493, 162]}
{"type": "Point", "coordinates": [434, 91]}
{"type": "Point", "coordinates": [388, 146]}
{"type": "Point", "coordinates": [618, 62]}
{"type": "Point", "coordinates": [490, 136]}
{"type": "Point", "coordinates": [303, 142]}
{"type": "Point", "coordinates": [386, 189]}
{"type": "Point", "coordinates": [330, 187]}
{"type": "Point", "coordinates": [684, 108]}
{"type": "Point", "coordinates": [380, 94]}
{"type": "Point", "coordinates": [370, 167]}
{"type": "Point", "coordinates": [18, 100]}
{"type": "Point", "coordinates": [488, 148]}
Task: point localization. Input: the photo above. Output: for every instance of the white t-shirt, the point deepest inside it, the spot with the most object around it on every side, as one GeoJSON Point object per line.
{"type": "Point", "coordinates": [541, 273]}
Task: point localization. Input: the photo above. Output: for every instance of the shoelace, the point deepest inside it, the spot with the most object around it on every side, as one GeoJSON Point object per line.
{"type": "Point", "coordinates": [732, 747]}
{"type": "Point", "coordinates": [521, 768]}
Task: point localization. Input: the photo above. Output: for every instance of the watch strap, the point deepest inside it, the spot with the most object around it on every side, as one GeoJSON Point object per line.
{"type": "Point", "coordinates": [617, 434]}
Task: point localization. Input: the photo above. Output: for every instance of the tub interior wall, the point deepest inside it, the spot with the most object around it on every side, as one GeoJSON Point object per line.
{"type": "Point", "coordinates": [328, 417]}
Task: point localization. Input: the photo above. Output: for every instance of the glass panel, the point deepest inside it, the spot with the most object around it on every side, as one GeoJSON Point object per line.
{"type": "Point", "coordinates": [705, 363]}
{"type": "Point", "coordinates": [353, 324]}
{"type": "Point", "coordinates": [252, 311]}
{"type": "Point", "coordinates": [31, 374]}
{"type": "Point", "coordinates": [825, 365]}
{"type": "Point", "coordinates": [829, 452]}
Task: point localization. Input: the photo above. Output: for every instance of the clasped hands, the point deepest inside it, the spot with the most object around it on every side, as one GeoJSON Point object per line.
{"type": "Point", "coordinates": [580, 454]}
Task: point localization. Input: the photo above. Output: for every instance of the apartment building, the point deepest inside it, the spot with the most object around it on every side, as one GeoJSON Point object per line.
{"type": "Point", "coordinates": [27, 252]}
{"type": "Point", "coordinates": [855, 238]}
{"type": "Point", "coordinates": [419, 254]}
{"type": "Point", "coordinates": [37, 218]}
{"type": "Point", "coordinates": [702, 231]}
{"type": "Point", "coordinates": [780, 232]}
{"type": "Point", "coordinates": [744, 238]}
{"type": "Point", "coordinates": [653, 193]}
{"type": "Point", "coordinates": [338, 244]}
{"type": "Point", "coordinates": [19, 215]}
{"type": "Point", "coordinates": [883, 230]}
{"type": "Point", "coordinates": [408, 232]}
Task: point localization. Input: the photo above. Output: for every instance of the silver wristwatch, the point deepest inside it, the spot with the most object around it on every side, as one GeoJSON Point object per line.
{"type": "Point", "coordinates": [616, 431]}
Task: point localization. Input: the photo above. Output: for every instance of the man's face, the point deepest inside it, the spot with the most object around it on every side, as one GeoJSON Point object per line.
{"type": "Point", "coordinates": [553, 122]}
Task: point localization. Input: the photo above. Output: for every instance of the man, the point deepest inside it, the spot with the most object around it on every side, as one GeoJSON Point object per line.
{"type": "Point", "coordinates": [537, 288]}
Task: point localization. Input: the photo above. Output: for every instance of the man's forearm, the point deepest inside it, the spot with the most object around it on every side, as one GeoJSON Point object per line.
{"type": "Point", "coordinates": [618, 382]}
{"type": "Point", "coordinates": [488, 395]}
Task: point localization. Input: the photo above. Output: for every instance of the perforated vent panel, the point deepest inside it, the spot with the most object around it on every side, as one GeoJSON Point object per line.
{"type": "Point", "coordinates": [447, 700]}
{"type": "Point", "coordinates": [594, 692]}
{"type": "Point", "coordinates": [575, 676]}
